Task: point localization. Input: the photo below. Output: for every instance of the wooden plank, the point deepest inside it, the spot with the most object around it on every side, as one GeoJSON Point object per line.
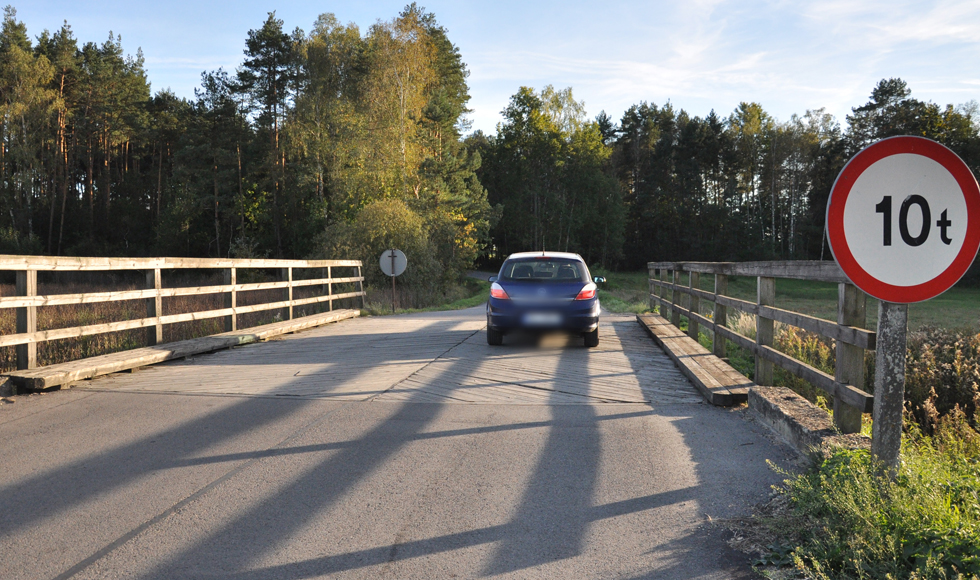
{"type": "Point", "coordinates": [721, 314]}
{"type": "Point", "coordinates": [286, 274]}
{"type": "Point", "coordinates": [26, 285]}
{"type": "Point", "coordinates": [821, 271]}
{"type": "Point", "coordinates": [114, 296]}
{"type": "Point", "coordinates": [693, 304]}
{"type": "Point", "coordinates": [78, 331]}
{"type": "Point", "coordinates": [68, 263]}
{"type": "Point", "coordinates": [699, 365]}
{"type": "Point", "coordinates": [675, 299]}
{"type": "Point", "coordinates": [154, 307]}
{"type": "Point", "coordinates": [60, 374]}
{"type": "Point", "coordinates": [859, 337]}
{"type": "Point", "coordinates": [850, 394]}
{"type": "Point", "coordinates": [765, 329]}
{"type": "Point", "coordinates": [231, 299]}
{"type": "Point", "coordinates": [849, 361]}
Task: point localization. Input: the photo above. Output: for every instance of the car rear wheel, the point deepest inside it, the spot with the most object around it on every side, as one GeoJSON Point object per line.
{"type": "Point", "coordinates": [591, 338]}
{"type": "Point", "coordinates": [494, 337]}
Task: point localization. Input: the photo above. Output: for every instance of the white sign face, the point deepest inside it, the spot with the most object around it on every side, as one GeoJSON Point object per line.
{"type": "Point", "coordinates": [905, 219]}
{"type": "Point", "coordinates": [393, 262]}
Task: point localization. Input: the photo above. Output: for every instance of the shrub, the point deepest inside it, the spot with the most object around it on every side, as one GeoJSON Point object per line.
{"type": "Point", "coordinates": [381, 225]}
{"type": "Point", "coordinates": [810, 348]}
{"type": "Point", "coordinates": [942, 373]}
{"type": "Point", "coordinates": [847, 520]}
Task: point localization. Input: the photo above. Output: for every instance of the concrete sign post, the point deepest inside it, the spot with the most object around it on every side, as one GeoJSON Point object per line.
{"type": "Point", "coordinates": [393, 263]}
{"type": "Point", "coordinates": [903, 223]}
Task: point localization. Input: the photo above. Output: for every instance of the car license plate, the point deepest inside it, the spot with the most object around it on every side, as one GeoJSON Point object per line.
{"type": "Point", "coordinates": [542, 319]}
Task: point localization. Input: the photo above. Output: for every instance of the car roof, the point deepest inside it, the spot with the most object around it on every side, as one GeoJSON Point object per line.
{"type": "Point", "coordinates": [565, 255]}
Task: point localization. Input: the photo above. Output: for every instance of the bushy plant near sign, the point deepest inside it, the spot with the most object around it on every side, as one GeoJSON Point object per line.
{"type": "Point", "coordinates": [844, 518]}
{"type": "Point", "coordinates": [942, 375]}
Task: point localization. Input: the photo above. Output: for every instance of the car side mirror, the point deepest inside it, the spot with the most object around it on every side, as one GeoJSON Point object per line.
{"type": "Point", "coordinates": [492, 279]}
{"type": "Point", "coordinates": [599, 280]}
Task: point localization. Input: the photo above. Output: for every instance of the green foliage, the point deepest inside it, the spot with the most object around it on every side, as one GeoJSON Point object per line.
{"type": "Point", "coordinates": [313, 128]}
{"type": "Point", "coordinates": [547, 170]}
{"type": "Point", "coordinates": [623, 291]}
{"type": "Point", "coordinates": [379, 226]}
{"type": "Point", "coordinates": [471, 292]}
{"type": "Point", "coordinates": [848, 520]}
{"type": "Point", "coordinates": [306, 133]}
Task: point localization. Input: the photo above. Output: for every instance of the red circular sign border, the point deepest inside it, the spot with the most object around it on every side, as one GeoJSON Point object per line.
{"type": "Point", "coordinates": [838, 199]}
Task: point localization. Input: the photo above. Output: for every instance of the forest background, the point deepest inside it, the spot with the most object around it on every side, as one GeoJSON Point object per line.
{"type": "Point", "coordinates": [338, 144]}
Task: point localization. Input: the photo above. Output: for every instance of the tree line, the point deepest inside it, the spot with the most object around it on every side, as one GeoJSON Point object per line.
{"type": "Point", "coordinates": [339, 143]}
{"type": "Point", "coordinates": [288, 156]}
{"type": "Point", "coordinates": [664, 185]}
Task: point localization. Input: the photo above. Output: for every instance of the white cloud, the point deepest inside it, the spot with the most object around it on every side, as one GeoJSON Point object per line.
{"type": "Point", "coordinates": [788, 56]}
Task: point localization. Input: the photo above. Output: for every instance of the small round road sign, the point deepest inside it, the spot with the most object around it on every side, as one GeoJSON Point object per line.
{"type": "Point", "coordinates": [903, 219]}
{"type": "Point", "coordinates": [393, 262]}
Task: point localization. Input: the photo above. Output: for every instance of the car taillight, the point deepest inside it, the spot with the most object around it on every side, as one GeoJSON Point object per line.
{"type": "Point", "coordinates": [497, 291]}
{"type": "Point", "coordinates": [587, 293]}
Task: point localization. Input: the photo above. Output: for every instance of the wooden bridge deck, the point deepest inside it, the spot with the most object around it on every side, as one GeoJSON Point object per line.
{"type": "Point", "coordinates": [426, 359]}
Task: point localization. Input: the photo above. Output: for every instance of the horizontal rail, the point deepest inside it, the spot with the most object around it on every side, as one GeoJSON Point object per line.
{"type": "Point", "coordinates": [860, 337]}
{"type": "Point", "coordinates": [63, 264]}
{"type": "Point", "coordinates": [27, 300]}
{"type": "Point", "coordinates": [847, 393]}
{"type": "Point", "coordinates": [79, 331]}
{"type": "Point", "coordinates": [819, 271]}
{"type": "Point", "coordinates": [98, 297]}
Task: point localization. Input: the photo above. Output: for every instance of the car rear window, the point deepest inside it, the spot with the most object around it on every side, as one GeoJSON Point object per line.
{"type": "Point", "coordinates": [545, 270]}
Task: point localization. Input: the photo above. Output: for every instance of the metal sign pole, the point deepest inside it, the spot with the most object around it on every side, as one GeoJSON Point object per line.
{"type": "Point", "coordinates": [393, 281]}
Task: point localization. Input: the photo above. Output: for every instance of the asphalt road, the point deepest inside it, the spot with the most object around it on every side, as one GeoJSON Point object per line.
{"type": "Point", "coordinates": [392, 451]}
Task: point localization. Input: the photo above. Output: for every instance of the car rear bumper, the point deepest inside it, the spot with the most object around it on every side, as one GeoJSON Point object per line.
{"type": "Point", "coordinates": [580, 316]}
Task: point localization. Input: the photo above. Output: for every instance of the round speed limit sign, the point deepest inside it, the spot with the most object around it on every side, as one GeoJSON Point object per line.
{"type": "Point", "coordinates": [903, 219]}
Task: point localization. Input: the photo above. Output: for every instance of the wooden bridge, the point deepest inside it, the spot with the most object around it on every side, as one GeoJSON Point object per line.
{"type": "Point", "coordinates": [382, 447]}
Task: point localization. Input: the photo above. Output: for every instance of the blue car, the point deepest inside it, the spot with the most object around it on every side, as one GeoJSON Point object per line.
{"type": "Point", "coordinates": [543, 291]}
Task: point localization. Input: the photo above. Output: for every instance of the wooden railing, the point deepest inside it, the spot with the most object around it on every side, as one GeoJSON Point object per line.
{"type": "Point", "coordinates": [26, 301]}
{"type": "Point", "coordinates": [846, 387]}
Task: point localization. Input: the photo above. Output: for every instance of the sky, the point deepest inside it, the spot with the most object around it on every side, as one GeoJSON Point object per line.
{"type": "Point", "coordinates": [700, 55]}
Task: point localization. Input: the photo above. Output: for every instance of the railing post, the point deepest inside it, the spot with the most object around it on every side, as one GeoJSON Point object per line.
{"type": "Point", "coordinates": [764, 329]}
{"type": "Point", "coordinates": [330, 288]}
{"type": "Point", "coordinates": [360, 285]}
{"type": "Point", "coordinates": [662, 292]}
{"type": "Point", "coordinates": [286, 275]}
{"type": "Point", "coordinates": [890, 347]}
{"type": "Point", "coordinates": [231, 299]}
{"type": "Point", "coordinates": [675, 299]}
{"type": "Point", "coordinates": [849, 368]}
{"type": "Point", "coordinates": [721, 315]}
{"type": "Point", "coordinates": [652, 289]}
{"type": "Point", "coordinates": [26, 319]}
{"type": "Point", "coordinates": [154, 307]}
{"type": "Point", "coordinates": [694, 304]}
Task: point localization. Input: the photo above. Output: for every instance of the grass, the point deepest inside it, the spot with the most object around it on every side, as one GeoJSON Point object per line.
{"type": "Point", "coordinates": [471, 292]}
{"type": "Point", "coordinates": [624, 292]}
{"type": "Point", "coordinates": [845, 517]}
{"type": "Point", "coordinates": [957, 308]}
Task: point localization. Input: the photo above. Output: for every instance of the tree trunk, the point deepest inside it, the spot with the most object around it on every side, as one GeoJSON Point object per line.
{"type": "Point", "coordinates": [217, 223]}
{"type": "Point", "coordinates": [159, 182]}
